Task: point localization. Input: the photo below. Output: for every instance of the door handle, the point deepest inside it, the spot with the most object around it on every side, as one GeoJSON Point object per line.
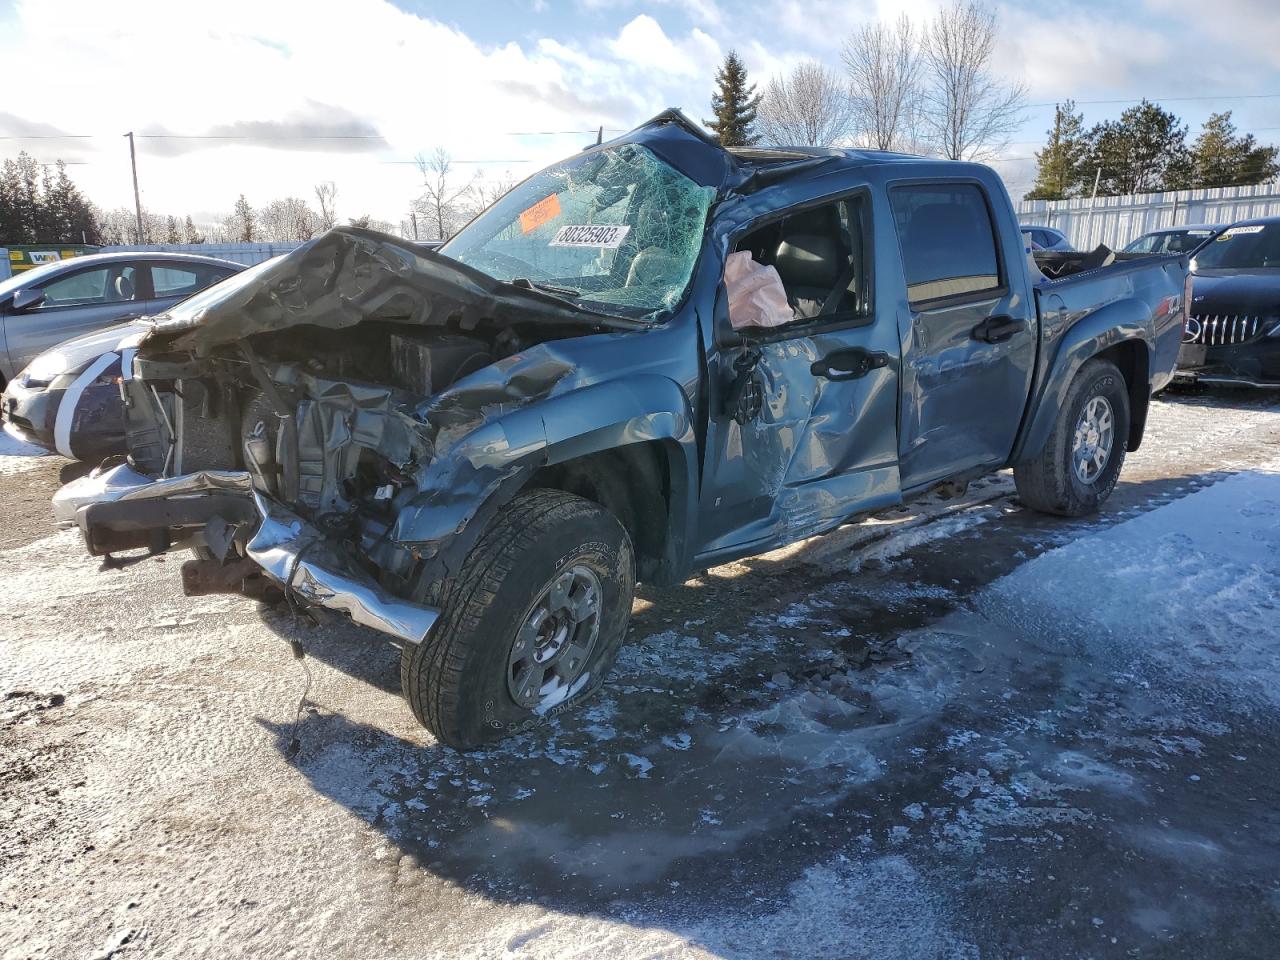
{"type": "Point", "coordinates": [997, 329]}
{"type": "Point", "coordinates": [848, 364]}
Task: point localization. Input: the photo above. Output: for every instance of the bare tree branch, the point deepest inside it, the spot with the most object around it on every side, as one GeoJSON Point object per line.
{"type": "Point", "coordinates": [884, 69]}
{"type": "Point", "coordinates": [326, 196]}
{"type": "Point", "coordinates": [967, 114]}
{"type": "Point", "coordinates": [442, 206]}
{"type": "Point", "coordinates": [809, 108]}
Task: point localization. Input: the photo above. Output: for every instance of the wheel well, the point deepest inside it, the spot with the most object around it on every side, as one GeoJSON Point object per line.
{"type": "Point", "coordinates": [632, 483]}
{"type": "Point", "coordinates": [1130, 356]}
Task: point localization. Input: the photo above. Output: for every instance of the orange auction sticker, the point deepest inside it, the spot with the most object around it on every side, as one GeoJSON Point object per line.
{"type": "Point", "coordinates": [548, 208]}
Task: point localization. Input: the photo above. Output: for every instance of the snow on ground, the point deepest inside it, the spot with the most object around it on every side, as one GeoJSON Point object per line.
{"type": "Point", "coordinates": [957, 730]}
{"type": "Point", "coordinates": [16, 454]}
{"type": "Point", "coordinates": [1187, 594]}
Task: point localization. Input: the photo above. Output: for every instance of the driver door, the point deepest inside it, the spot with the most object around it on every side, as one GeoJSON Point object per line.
{"type": "Point", "coordinates": [821, 444]}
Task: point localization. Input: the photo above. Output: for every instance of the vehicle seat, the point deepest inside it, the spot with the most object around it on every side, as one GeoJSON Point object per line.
{"type": "Point", "coordinates": [124, 288]}
{"type": "Point", "coordinates": [810, 258]}
{"type": "Point", "coordinates": [809, 265]}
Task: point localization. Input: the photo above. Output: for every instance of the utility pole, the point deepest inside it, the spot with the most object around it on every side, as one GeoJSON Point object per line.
{"type": "Point", "coordinates": [137, 199]}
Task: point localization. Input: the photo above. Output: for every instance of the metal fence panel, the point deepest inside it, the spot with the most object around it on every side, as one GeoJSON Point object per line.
{"type": "Point", "coordinates": [1117, 220]}
{"type": "Point", "coordinates": [246, 253]}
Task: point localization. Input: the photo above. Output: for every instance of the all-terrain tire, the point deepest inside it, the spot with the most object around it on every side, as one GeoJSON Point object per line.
{"type": "Point", "coordinates": [456, 682]}
{"type": "Point", "coordinates": [1047, 482]}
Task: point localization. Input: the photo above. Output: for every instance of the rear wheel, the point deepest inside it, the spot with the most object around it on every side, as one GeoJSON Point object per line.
{"type": "Point", "coordinates": [1080, 463]}
{"type": "Point", "coordinates": [530, 625]}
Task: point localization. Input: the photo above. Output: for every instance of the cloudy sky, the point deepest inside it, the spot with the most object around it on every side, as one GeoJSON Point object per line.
{"type": "Point", "coordinates": [270, 97]}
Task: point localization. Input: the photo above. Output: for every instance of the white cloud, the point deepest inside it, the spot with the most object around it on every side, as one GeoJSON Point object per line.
{"type": "Point", "coordinates": [260, 67]}
{"type": "Point", "coordinates": [254, 69]}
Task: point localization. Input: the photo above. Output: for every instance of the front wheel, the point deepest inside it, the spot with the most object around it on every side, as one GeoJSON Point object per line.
{"type": "Point", "coordinates": [1080, 463]}
{"type": "Point", "coordinates": [530, 625]}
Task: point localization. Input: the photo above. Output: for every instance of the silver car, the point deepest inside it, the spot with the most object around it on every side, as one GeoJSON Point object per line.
{"type": "Point", "coordinates": [42, 307]}
{"type": "Point", "coordinates": [86, 301]}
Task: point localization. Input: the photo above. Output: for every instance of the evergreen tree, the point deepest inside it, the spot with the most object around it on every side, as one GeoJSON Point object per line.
{"type": "Point", "coordinates": [190, 234]}
{"type": "Point", "coordinates": [20, 200]}
{"type": "Point", "coordinates": [244, 221]}
{"type": "Point", "coordinates": [734, 104]}
{"type": "Point", "coordinates": [1142, 152]}
{"type": "Point", "coordinates": [1060, 165]}
{"type": "Point", "coordinates": [171, 233]}
{"type": "Point", "coordinates": [1220, 158]}
{"type": "Point", "coordinates": [43, 207]}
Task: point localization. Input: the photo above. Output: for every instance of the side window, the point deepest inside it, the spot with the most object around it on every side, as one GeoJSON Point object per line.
{"type": "Point", "coordinates": [1143, 244]}
{"type": "Point", "coordinates": [819, 257]}
{"type": "Point", "coordinates": [948, 244]}
{"type": "Point", "coordinates": [111, 284]}
{"type": "Point", "coordinates": [171, 281]}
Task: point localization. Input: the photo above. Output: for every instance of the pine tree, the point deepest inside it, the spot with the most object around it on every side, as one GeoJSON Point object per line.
{"type": "Point", "coordinates": [1220, 158]}
{"type": "Point", "coordinates": [245, 221]}
{"type": "Point", "coordinates": [734, 104]}
{"type": "Point", "coordinates": [20, 216]}
{"type": "Point", "coordinates": [189, 232]}
{"type": "Point", "coordinates": [1060, 165]}
{"type": "Point", "coordinates": [1142, 152]}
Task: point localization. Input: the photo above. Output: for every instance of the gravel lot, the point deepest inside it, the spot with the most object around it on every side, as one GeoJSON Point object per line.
{"type": "Point", "coordinates": [957, 729]}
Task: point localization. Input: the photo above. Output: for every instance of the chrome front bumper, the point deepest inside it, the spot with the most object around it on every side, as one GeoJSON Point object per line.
{"type": "Point", "coordinates": [116, 505]}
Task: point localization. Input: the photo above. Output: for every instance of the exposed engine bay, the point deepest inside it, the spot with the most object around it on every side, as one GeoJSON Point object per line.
{"type": "Point", "coordinates": [328, 388]}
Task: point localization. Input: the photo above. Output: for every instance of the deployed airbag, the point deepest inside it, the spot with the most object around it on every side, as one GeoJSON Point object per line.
{"type": "Point", "coordinates": [756, 295]}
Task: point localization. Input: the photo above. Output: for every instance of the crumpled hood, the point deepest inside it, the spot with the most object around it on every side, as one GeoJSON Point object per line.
{"type": "Point", "coordinates": [344, 277]}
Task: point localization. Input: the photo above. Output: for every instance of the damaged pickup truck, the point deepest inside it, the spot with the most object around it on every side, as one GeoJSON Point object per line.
{"type": "Point", "coordinates": [653, 357]}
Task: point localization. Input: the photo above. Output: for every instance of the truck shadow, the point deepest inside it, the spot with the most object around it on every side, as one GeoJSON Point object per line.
{"type": "Point", "coordinates": [747, 727]}
{"type": "Point", "coordinates": [724, 600]}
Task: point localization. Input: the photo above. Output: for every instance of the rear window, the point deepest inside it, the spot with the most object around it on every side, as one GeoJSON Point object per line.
{"type": "Point", "coordinates": [948, 243]}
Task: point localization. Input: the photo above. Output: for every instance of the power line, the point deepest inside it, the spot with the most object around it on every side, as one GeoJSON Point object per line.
{"type": "Point", "coordinates": [452, 160]}
{"type": "Point", "coordinates": [265, 136]}
{"type": "Point", "coordinates": [1219, 96]}
{"type": "Point", "coordinates": [287, 136]}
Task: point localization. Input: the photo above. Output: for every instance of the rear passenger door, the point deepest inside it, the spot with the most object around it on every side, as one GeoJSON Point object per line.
{"type": "Point", "coordinates": [968, 339]}
{"type": "Point", "coordinates": [172, 282]}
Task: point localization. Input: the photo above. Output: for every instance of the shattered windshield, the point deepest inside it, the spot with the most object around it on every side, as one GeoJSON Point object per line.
{"type": "Point", "coordinates": [618, 230]}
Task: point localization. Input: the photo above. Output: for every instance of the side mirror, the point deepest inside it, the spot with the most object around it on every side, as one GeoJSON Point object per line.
{"type": "Point", "coordinates": [28, 298]}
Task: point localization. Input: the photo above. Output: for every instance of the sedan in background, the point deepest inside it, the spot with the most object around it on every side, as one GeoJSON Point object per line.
{"type": "Point", "coordinates": [1046, 238]}
{"type": "Point", "coordinates": [66, 396]}
{"type": "Point", "coordinates": [1187, 238]}
{"type": "Point", "coordinates": [1233, 327]}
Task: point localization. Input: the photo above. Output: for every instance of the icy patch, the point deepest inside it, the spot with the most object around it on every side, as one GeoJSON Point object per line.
{"type": "Point", "coordinates": [640, 765]}
{"type": "Point", "coordinates": [17, 455]}
{"type": "Point", "coordinates": [1188, 591]}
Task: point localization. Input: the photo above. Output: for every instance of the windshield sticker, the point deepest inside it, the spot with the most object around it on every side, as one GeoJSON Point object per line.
{"type": "Point", "coordinates": [1237, 231]}
{"type": "Point", "coordinates": [608, 236]}
{"type": "Point", "coordinates": [548, 208]}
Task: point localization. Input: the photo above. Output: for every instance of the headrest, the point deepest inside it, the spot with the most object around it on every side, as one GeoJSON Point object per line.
{"type": "Point", "coordinates": [820, 220]}
{"type": "Point", "coordinates": [808, 260]}
{"type": "Point", "coordinates": [124, 288]}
